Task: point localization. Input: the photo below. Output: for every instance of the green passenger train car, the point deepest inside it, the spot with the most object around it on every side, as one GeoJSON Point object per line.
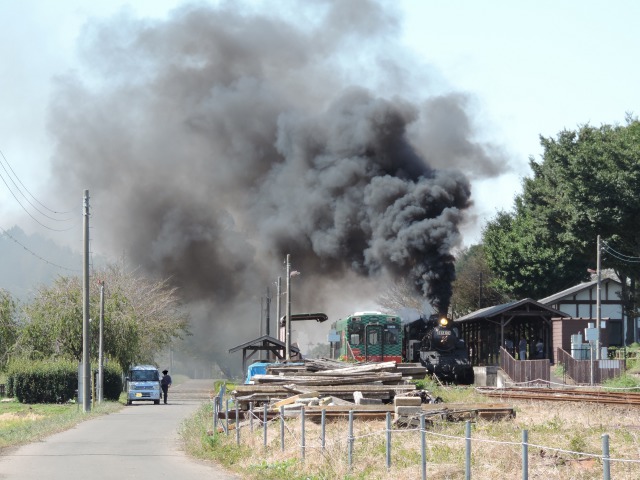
{"type": "Point", "coordinates": [370, 337]}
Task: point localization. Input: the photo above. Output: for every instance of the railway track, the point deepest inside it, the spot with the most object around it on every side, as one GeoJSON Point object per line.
{"type": "Point", "coordinates": [564, 395]}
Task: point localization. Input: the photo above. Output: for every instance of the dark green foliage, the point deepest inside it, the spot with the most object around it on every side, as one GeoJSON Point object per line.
{"type": "Point", "coordinates": [55, 381]}
{"type": "Point", "coordinates": [112, 382]}
{"type": "Point", "coordinates": [586, 185]}
{"type": "Point", "coordinates": [43, 381]}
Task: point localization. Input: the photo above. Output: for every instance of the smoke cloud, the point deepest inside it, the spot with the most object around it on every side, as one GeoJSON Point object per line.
{"type": "Point", "coordinates": [219, 140]}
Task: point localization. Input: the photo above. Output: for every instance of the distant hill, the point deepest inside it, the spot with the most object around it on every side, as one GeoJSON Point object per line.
{"type": "Point", "coordinates": [29, 261]}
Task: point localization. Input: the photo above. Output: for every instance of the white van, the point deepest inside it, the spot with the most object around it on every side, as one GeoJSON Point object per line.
{"type": "Point", "coordinates": [143, 384]}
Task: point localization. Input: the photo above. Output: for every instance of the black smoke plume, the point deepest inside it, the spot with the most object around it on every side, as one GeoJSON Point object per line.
{"type": "Point", "coordinates": [219, 140]}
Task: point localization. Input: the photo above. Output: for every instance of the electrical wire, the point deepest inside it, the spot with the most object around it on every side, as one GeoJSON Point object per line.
{"type": "Point", "coordinates": [4, 232]}
{"type": "Point", "coordinates": [27, 212]}
{"type": "Point", "coordinates": [4, 180]}
{"type": "Point", "coordinates": [12, 175]}
{"type": "Point", "coordinates": [607, 246]}
{"type": "Point", "coordinates": [618, 255]}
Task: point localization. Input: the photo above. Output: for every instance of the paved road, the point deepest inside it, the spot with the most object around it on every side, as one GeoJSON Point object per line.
{"type": "Point", "coordinates": [138, 442]}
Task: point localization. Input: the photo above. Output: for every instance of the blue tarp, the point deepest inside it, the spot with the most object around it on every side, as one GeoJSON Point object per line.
{"type": "Point", "coordinates": [260, 368]}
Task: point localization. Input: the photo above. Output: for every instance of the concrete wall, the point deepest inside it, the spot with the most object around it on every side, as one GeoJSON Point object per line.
{"type": "Point", "coordinates": [485, 376]}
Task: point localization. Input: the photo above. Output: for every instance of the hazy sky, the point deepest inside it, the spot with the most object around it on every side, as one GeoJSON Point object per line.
{"type": "Point", "coordinates": [531, 68]}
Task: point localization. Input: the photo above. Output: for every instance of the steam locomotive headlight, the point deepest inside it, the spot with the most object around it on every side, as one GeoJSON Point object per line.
{"type": "Point", "coordinates": [444, 322]}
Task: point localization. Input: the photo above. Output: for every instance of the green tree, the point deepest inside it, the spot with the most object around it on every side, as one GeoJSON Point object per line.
{"type": "Point", "coordinates": [9, 325]}
{"type": "Point", "coordinates": [141, 317]}
{"type": "Point", "coordinates": [53, 324]}
{"type": "Point", "coordinates": [586, 185]}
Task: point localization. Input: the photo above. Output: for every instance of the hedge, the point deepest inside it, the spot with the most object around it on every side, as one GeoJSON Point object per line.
{"type": "Point", "coordinates": [54, 381]}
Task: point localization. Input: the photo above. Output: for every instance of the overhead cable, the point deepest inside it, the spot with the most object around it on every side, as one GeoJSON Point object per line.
{"type": "Point", "coordinates": [618, 255]}
{"type": "Point", "coordinates": [34, 218]}
{"type": "Point", "coordinates": [13, 174]}
{"type": "Point", "coordinates": [4, 232]}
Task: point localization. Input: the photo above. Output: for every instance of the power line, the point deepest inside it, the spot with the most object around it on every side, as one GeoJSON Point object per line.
{"type": "Point", "coordinates": [11, 177]}
{"type": "Point", "coordinates": [27, 212]}
{"type": "Point", "coordinates": [4, 232]}
{"type": "Point", "coordinates": [618, 255]}
{"type": "Point", "coordinates": [4, 180]}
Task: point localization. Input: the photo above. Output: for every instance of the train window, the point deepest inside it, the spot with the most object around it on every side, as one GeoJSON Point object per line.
{"type": "Point", "coordinates": [354, 339]}
{"type": "Point", "coordinates": [373, 337]}
{"type": "Point", "coordinates": [391, 335]}
{"type": "Point", "coordinates": [356, 328]}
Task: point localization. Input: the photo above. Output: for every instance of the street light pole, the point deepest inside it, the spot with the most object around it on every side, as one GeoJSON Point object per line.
{"type": "Point", "coordinates": [288, 321]}
{"type": "Point", "coordinates": [278, 306]}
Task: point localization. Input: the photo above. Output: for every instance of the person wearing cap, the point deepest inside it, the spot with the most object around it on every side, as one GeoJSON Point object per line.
{"type": "Point", "coordinates": [165, 383]}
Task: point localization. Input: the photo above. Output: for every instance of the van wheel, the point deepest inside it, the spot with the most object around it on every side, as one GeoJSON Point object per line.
{"type": "Point", "coordinates": [156, 402]}
{"type": "Point", "coordinates": [128, 402]}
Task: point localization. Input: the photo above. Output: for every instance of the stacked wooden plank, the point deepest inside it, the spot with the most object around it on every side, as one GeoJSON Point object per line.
{"type": "Point", "coordinates": [329, 378]}
{"type": "Point", "coordinates": [369, 390]}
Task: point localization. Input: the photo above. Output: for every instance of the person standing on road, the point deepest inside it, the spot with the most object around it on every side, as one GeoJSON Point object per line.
{"type": "Point", "coordinates": [165, 383]}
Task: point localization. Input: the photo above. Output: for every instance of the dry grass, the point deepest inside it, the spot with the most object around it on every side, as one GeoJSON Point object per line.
{"type": "Point", "coordinates": [555, 430]}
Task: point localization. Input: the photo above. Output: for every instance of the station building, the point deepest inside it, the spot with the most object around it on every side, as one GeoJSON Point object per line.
{"type": "Point", "coordinates": [550, 322]}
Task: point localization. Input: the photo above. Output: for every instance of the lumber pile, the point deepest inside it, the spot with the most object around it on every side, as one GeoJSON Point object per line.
{"type": "Point", "coordinates": [369, 390]}
{"type": "Point", "coordinates": [371, 383]}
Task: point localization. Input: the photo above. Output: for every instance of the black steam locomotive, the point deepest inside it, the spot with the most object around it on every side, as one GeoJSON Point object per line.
{"type": "Point", "coordinates": [435, 343]}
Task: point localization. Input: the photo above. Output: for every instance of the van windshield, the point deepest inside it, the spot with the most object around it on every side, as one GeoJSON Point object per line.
{"type": "Point", "coordinates": [144, 375]}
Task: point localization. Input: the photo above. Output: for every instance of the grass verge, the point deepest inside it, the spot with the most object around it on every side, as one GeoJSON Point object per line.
{"type": "Point", "coordinates": [555, 432]}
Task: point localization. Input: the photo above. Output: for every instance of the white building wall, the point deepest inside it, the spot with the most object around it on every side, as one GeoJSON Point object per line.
{"type": "Point", "coordinates": [583, 311]}
{"type": "Point", "coordinates": [585, 295]}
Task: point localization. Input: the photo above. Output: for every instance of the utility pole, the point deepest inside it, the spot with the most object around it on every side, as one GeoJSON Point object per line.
{"type": "Point", "coordinates": [288, 321]}
{"type": "Point", "coordinates": [101, 347]}
{"type": "Point", "coordinates": [86, 367]}
{"type": "Point", "coordinates": [598, 308]}
{"type": "Point", "coordinates": [278, 310]}
{"type": "Point", "coordinates": [268, 314]}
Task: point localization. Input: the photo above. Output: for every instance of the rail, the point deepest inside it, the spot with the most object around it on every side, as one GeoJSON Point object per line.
{"type": "Point", "coordinates": [630, 397]}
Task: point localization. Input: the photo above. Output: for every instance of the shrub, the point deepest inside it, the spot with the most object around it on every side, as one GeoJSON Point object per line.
{"type": "Point", "coordinates": [55, 381]}
{"type": "Point", "coordinates": [112, 382]}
